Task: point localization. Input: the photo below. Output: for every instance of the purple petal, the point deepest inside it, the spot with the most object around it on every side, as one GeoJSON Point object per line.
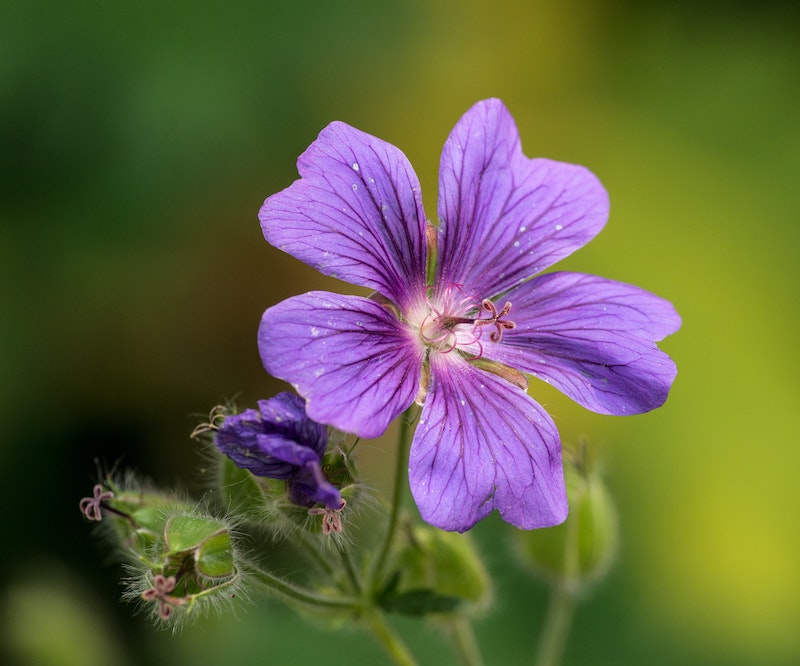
{"type": "Point", "coordinates": [356, 365]}
{"type": "Point", "coordinates": [483, 444]}
{"type": "Point", "coordinates": [592, 338]}
{"type": "Point", "coordinates": [286, 451]}
{"type": "Point", "coordinates": [285, 414]}
{"type": "Point", "coordinates": [356, 214]}
{"type": "Point", "coordinates": [504, 217]}
{"type": "Point", "coordinates": [310, 486]}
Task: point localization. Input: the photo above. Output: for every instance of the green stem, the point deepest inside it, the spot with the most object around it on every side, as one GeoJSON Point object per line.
{"type": "Point", "coordinates": [389, 640]}
{"type": "Point", "coordinates": [401, 466]}
{"type": "Point", "coordinates": [464, 642]}
{"type": "Point", "coordinates": [349, 568]}
{"type": "Point", "coordinates": [560, 611]}
{"type": "Point", "coordinates": [561, 604]}
{"type": "Point", "coordinates": [302, 595]}
{"type": "Point", "coordinates": [311, 550]}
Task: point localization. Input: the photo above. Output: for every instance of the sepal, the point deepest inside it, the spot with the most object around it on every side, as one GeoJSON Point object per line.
{"type": "Point", "coordinates": [195, 566]}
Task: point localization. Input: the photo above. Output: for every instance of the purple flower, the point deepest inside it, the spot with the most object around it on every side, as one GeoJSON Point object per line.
{"type": "Point", "coordinates": [279, 441]}
{"type": "Point", "coordinates": [459, 343]}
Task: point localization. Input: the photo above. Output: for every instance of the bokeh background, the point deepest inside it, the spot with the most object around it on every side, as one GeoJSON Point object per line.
{"type": "Point", "coordinates": [137, 142]}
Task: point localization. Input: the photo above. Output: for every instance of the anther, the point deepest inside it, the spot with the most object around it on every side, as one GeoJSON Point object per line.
{"type": "Point", "coordinates": [331, 520]}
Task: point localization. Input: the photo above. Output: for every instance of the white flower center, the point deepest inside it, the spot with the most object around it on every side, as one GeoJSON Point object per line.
{"type": "Point", "coordinates": [442, 327]}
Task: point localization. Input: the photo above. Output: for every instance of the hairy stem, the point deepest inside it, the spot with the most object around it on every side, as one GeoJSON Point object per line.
{"type": "Point", "coordinates": [295, 593]}
{"type": "Point", "coordinates": [350, 570]}
{"type": "Point", "coordinates": [312, 551]}
{"type": "Point", "coordinates": [401, 467]}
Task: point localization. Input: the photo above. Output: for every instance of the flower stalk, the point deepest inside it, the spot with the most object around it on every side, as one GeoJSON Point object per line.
{"type": "Point", "coordinates": [297, 594]}
{"type": "Point", "coordinates": [562, 601]}
{"type": "Point", "coordinates": [401, 464]}
{"type": "Point", "coordinates": [464, 641]}
{"type": "Point", "coordinates": [389, 640]}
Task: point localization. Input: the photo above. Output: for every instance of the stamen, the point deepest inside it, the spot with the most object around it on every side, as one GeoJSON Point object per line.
{"type": "Point", "coordinates": [443, 329]}
{"type": "Point", "coordinates": [331, 520]}
{"type": "Point", "coordinates": [215, 418]}
{"type": "Point", "coordinates": [446, 331]}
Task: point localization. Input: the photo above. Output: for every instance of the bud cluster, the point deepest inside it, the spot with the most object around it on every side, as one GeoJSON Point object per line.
{"type": "Point", "coordinates": [180, 556]}
{"type": "Point", "coordinates": [290, 487]}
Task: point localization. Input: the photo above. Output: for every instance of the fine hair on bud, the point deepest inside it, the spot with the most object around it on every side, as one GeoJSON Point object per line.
{"type": "Point", "coordinates": [197, 566]}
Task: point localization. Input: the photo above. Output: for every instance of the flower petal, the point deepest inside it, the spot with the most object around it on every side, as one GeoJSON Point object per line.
{"type": "Point", "coordinates": [286, 451]}
{"type": "Point", "coordinates": [355, 364]}
{"type": "Point", "coordinates": [285, 414]}
{"type": "Point", "coordinates": [356, 214]}
{"type": "Point", "coordinates": [504, 217]}
{"type": "Point", "coordinates": [484, 444]}
{"type": "Point", "coordinates": [310, 485]}
{"type": "Point", "coordinates": [592, 338]}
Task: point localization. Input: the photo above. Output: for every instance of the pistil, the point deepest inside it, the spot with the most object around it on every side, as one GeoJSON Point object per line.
{"type": "Point", "coordinates": [496, 319]}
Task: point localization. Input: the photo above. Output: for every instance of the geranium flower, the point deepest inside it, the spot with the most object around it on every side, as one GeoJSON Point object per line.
{"type": "Point", "coordinates": [460, 344]}
{"type": "Point", "coordinates": [279, 441]}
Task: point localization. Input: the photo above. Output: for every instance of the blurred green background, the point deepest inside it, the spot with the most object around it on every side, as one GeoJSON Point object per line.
{"type": "Point", "coordinates": [137, 142]}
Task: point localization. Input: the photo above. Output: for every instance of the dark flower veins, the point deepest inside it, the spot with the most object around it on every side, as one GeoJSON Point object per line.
{"type": "Point", "coordinates": [482, 443]}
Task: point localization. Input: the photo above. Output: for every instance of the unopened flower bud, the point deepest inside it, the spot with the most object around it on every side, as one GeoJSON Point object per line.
{"type": "Point", "coordinates": [285, 470]}
{"type": "Point", "coordinates": [439, 572]}
{"type": "Point", "coordinates": [582, 549]}
{"type": "Point", "coordinates": [195, 565]}
{"type": "Point", "coordinates": [279, 441]}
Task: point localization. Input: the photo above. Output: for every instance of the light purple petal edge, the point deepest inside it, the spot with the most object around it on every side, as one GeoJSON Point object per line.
{"type": "Point", "coordinates": [592, 338]}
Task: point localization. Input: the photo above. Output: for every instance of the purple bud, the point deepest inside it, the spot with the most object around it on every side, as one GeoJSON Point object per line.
{"type": "Point", "coordinates": [279, 441]}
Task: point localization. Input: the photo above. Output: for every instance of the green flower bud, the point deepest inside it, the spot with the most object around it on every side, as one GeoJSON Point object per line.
{"type": "Point", "coordinates": [339, 466]}
{"type": "Point", "coordinates": [208, 540]}
{"type": "Point", "coordinates": [582, 549]}
{"type": "Point", "coordinates": [194, 564]}
{"type": "Point", "coordinates": [438, 572]}
{"type": "Point", "coordinates": [182, 557]}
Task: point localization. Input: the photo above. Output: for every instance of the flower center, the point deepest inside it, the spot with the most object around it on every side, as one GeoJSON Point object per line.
{"type": "Point", "coordinates": [444, 332]}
